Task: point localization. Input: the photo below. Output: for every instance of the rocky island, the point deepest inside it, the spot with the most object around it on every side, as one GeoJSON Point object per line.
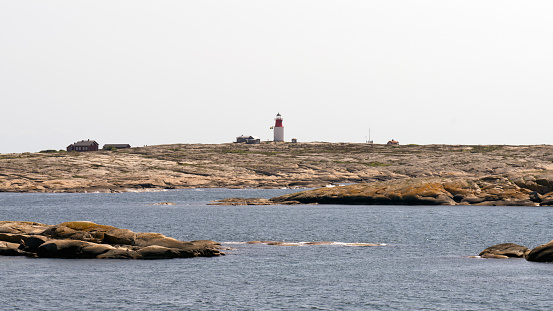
{"type": "Point", "coordinates": [84, 239]}
{"type": "Point", "coordinates": [272, 165]}
{"type": "Point", "coordinates": [531, 189]}
{"type": "Point", "coordinates": [541, 253]}
{"type": "Point", "coordinates": [510, 190]}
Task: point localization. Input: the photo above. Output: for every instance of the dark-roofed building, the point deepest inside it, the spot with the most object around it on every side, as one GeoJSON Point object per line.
{"type": "Point", "coordinates": [83, 146]}
{"type": "Point", "coordinates": [253, 140]}
{"type": "Point", "coordinates": [242, 138]}
{"type": "Point", "coordinates": [248, 139]}
{"type": "Point", "coordinates": [117, 146]}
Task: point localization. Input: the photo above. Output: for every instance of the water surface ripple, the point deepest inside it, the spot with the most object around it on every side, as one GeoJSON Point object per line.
{"type": "Point", "coordinates": [424, 265]}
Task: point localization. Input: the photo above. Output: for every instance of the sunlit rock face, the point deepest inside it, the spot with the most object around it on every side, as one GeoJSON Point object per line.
{"type": "Point", "coordinates": [489, 190]}
{"type": "Point", "coordinates": [83, 239]}
{"type": "Point", "coordinates": [270, 165]}
{"type": "Point", "coordinates": [505, 250]}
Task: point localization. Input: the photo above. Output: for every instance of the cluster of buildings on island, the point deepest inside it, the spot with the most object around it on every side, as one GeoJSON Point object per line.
{"type": "Point", "coordinates": [278, 136]}
{"type": "Point", "coordinates": [92, 145]}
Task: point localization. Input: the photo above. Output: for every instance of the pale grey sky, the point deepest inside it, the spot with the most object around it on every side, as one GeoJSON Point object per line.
{"type": "Point", "coordinates": [158, 72]}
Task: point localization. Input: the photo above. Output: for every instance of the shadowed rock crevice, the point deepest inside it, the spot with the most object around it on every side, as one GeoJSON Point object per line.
{"type": "Point", "coordinates": [542, 253]}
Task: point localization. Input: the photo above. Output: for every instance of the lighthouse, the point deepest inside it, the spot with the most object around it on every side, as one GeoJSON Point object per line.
{"type": "Point", "coordinates": [278, 128]}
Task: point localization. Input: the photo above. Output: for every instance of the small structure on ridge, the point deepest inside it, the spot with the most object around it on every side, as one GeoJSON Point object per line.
{"type": "Point", "coordinates": [248, 139]}
{"type": "Point", "coordinates": [116, 146]}
{"type": "Point", "coordinates": [83, 146]}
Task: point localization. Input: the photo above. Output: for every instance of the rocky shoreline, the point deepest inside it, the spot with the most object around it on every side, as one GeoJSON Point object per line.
{"type": "Point", "coordinates": [541, 253]}
{"type": "Point", "coordinates": [509, 190]}
{"type": "Point", "coordinates": [266, 165]}
{"type": "Point", "coordinates": [84, 239]}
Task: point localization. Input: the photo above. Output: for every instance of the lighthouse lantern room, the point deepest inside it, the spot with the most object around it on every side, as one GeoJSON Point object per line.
{"type": "Point", "coordinates": [278, 128]}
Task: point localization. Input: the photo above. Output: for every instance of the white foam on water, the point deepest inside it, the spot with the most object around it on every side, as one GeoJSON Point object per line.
{"type": "Point", "coordinates": [303, 243]}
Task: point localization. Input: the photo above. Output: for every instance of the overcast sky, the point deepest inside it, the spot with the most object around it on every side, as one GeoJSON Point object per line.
{"type": "Point", "coordinates": [161, 72]}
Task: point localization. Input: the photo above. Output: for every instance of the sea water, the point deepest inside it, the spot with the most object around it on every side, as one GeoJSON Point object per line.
{"type": "Point", "coordinates": [423, 263]}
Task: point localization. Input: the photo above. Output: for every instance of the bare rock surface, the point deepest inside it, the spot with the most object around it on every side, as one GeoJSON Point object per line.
{"type": "Point", "coordinates": [509, 190]}
{"type": "Point", "coordinates": [505, 250]}
{"type": "Point", "coordinates": [10, 249]}
{"type": "Point", "coordinates": [83, 239]}
{"type": "Point", "coordinates": [542, 253]}
{"type": "Point", "coordinates": [268, 165]}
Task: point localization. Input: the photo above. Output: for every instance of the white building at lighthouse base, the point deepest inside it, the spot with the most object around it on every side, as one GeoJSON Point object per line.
{"type": "Point", "coordinates": [279, 133]}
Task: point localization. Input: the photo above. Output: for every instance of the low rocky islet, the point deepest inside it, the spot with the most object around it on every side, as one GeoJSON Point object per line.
{"type": "Point", "coordinates": [510, 190]}
{"type": "Point", "coordinates": [541, 253]}
{"type": "Point", "coordinates": [266, 165]}
{"type": "Point", "coordinates": [84, 239]}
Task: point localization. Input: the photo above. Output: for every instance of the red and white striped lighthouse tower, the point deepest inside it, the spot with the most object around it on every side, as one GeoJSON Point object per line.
{"type": "Point", "coordinates": [278, 128]}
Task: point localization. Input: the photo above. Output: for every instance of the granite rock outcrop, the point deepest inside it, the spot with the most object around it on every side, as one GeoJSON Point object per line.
{"type": "Point", "coordinates": [541, 253]}
{"type": "Point", "coordinates": [507, 190]}
{"type": "Point", "coordinates": [505, 250]}
{"type": "Point", "coordinates": [83, 239]}
{"type": "Point", "coordinates": [266, 165]}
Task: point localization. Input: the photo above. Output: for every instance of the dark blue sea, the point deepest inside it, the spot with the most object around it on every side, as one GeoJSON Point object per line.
{"type": "Point", "coordinates": [424, 264]}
